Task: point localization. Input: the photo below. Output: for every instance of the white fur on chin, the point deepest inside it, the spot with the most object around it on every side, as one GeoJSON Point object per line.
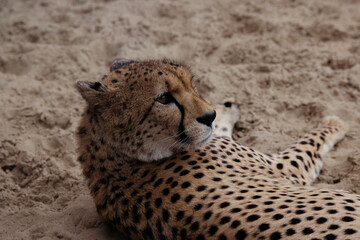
{"type": "Point", "coordinates": [157, 152]}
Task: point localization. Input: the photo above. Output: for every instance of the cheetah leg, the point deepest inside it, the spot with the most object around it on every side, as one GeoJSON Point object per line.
{"type": "Point", "coordinates": [301, 163]}
{"type": "Point", "coordinates": [227, 114]}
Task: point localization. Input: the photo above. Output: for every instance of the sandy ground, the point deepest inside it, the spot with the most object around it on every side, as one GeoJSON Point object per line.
{"type": "Point", "coordinates": [289, 64]}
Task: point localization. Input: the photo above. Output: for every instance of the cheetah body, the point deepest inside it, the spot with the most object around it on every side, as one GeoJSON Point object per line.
{"type": "Point", "coordinates": [197, 188]}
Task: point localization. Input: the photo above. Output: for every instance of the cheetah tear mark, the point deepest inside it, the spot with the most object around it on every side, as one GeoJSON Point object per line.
{"type": "Point", "coordinates": [183, 138]}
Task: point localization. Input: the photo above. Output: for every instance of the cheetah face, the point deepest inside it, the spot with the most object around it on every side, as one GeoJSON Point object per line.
{"type": "Point", "coordinates": [150, 109]}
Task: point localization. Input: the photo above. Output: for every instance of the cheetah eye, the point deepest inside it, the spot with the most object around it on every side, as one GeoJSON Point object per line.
{"type": "Point", "coordinates": [165, 98]}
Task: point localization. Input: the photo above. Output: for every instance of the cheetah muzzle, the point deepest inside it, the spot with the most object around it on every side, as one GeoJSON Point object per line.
{"type": "Point", "coordinates": [155, 172]}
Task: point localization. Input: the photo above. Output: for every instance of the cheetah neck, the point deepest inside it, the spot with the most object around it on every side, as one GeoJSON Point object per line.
{"type": "Point", "coordinates": [97, 150]}
{"type": "Point", "coordinates": [100, 152]}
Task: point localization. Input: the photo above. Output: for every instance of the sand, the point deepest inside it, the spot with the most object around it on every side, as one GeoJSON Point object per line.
{"type": "Point", "coordinates": [288, 63]}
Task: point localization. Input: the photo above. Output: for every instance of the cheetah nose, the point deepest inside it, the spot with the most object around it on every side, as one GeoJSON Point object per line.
{"type": "Point", "coordinates": [207, 118]}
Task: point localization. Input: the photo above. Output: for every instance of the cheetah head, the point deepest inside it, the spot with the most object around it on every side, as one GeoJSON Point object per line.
{"type": "Point", "coordinates": [148, 110]}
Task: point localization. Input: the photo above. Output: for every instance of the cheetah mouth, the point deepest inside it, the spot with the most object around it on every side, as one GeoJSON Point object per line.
{"type": "Point", "coordinates": [206, 139]}
{"type": "Point", "coordinates": [191, 143]}
{"type": "Point", "coordinates": [203, 141]}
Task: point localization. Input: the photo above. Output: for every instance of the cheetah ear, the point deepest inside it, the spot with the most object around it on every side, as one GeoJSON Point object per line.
{"type": "Point", "coordinates": [119, 62]}
{"type": "Point", "coordinates": [92, 92]}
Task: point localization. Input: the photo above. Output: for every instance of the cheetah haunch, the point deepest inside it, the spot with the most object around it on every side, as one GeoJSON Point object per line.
{"type": "Point", "coordinates": [147, 155]}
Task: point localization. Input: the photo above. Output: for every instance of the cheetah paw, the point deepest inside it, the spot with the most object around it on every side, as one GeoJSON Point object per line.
{"type": "Point", "coordinates": [228, 113]}
{"type": "Point", "coordinates": [335, 122]}
{"type": "Point", "coordinates": [338, 130]}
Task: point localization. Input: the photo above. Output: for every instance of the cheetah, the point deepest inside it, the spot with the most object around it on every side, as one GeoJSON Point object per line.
{"type": "Point", "coordinates": [156, 170]}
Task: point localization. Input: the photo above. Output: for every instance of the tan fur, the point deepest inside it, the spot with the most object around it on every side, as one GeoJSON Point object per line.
{"type": "Point", "coordinates": [151, 186]}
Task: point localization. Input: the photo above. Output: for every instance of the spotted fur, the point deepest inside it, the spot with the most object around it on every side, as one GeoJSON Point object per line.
{"type": "Point", "coordinates": [152, 182]}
